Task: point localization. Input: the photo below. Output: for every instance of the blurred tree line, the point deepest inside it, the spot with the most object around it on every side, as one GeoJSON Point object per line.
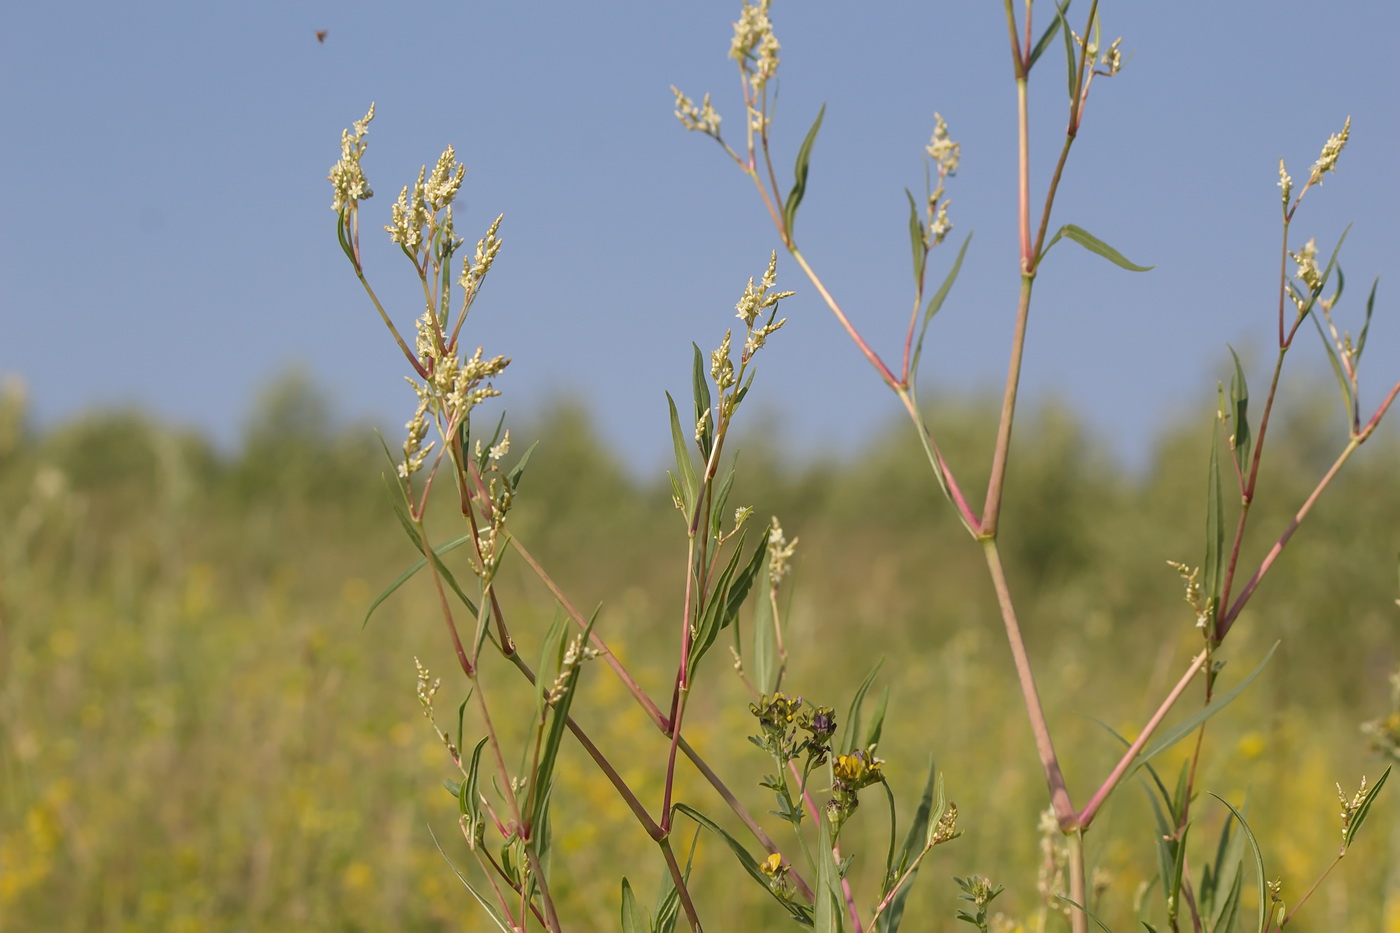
{"type": "Point", "coordinates": [187, 573]}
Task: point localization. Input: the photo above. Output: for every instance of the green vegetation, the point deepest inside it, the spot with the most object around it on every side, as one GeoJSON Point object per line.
{"type": "Point", "coordinates": [209, 720]}
{"type": "Point", "coordinates": [196, 733]}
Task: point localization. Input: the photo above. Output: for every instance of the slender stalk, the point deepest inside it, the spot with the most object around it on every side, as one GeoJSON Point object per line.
{"type": "Point", "coordinates": [1078, 918]}
{"type": "Point", "coordinates": [1227, 621]}
{"type": "Point", "coordinates": [1091, 809]}
{"type": "Point", "coordinates": [1054, 777]}
{"type": "Point", "coordinates": [890, 379]}
{"type": "Point", "coordinates": [551, 917]}
{"type": "Point", "coordinates": [594, 638]}
{"type": "Point", "coordinates": [991, 511]}
{"type": "Point", "coordinates": [1320, 878]}
{"type": "Point", "coordinates": [678, 879]}
{"type": "Point", "coordinates": [738, 808]}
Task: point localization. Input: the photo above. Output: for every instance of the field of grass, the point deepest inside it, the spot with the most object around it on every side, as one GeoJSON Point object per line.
{"type": "Point", "coordinates": [197, 733]}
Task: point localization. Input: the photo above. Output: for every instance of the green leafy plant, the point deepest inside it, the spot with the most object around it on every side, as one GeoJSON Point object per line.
{"type": "Point", "coordinates": [822, 768]}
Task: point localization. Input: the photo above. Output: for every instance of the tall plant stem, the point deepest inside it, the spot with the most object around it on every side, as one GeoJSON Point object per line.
{"type": "Point", "coordinates": [678, 878]}
{"type": "Point", "coordinates": [634, 688]}
{"type": "Point", "coordinates": [885, 372]}
{"type": "Point", "coordinates": [1228, 619]}
{"type": "Point", "coordinates": [1091, 809]}
{"type": "Point", "coordinates": [991, 511]}
{"type": "Point", "coordinates": [1078, 888]}
{"type": "Point", "coordinates": [1054, 777]}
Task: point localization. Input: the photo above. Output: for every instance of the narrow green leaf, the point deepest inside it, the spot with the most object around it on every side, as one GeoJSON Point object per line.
{"type": "Point", "coordinates": [828, 889]}
{"type": "Point", "coordinates": [850, 733]}
{"type": "Point", "coordinates": [746, 861]}
{"type": "Point", "coordinates": [634, 918]}
{"type": "Point", "coordinates": [488, 906]}
{"type": "Point", "coordinates": [1261, 883]}
{"type": "Point", "coordinates": [934, 304]}
{"type": "Point", "coordinates": [1363, 810]}
{"type": "Point", "coordinates": [915, 840]}
{"type": "Point", "coordinates": [685, 473]}
{"type": "Point", "coordinates": [462, 716]}
{"type": "Point", "coordinates": [1094, 245]}
{"type": "Point", "coordinates": [558, 723]}
{"type": "Point", "coordinates": [765, 645]}
{"type": "Point", "coordinates": [799, 185]}
{"type": "Point", "coordinates": [1047, 35]}
{"type": "Point", "coordinates": [518, 471]}
{"type": "Point", "coordinates": [738, 591]}
{"type": "Point", "coordinates": [1338, 371]}
{"type": "Point", "coordinates": [485, 454]}
{"type": "Point", "coordinates": [1222, 898]}
{"type": "Point", "coordinates": [713, 614]}
{"type": "Point", "coordinates": [700, 389]}
{"type": "Point", "coordinates": [1071, 58]}
{"type": "Point", "coordinates": [1086, 912]}
{"type": "Point", "coordinates": [1214, 569]}
{"type": "Point", "coordinates": [1326, 273]}
{"type": "Point", "coordinates": [916, 239]}
{"type": "Point", "coordinates": [1182, 729]}
{"type": "Point", "coordinates": [468, 795]}
{"type": "Point", "coordinates": [877, 721]}
{"type": "Point", "coordinates": [721, 498]}
{"type": "Point", "coordinates": [1370, 306]}
{"type": "Point", "coordinates": [1241, 440]}
{"type": "Point", "coordinates": [418, 565]}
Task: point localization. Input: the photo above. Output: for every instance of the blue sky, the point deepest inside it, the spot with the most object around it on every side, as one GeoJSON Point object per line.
{"type": "Point", "coordinates": [168, 240]}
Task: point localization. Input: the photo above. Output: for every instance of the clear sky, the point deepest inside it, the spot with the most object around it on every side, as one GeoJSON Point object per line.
{"type": "Point", "coordinates": [168, 239]}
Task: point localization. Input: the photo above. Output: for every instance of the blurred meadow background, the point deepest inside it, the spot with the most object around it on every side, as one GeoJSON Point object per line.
{"type": "Point", "coordinates": [197, 732]}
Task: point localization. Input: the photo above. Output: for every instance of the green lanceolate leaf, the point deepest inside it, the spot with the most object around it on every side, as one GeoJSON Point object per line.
{"type": "Point", "coordinates": [726, 597]}
{"type": "Point", "coordinates": [1214, 569]}
{"type": "Point", "coordinates": [1223, 883]}
{"type": "Point", "coordinates": [877, 721]}
{"type": "Point", "coordinates": [491, 909]}
{"type": "Point", "coordinates": [1338, 370]}
{"type": "Point", "coordinates": [916, 239]}
{"type": "Point", "coordinates": [1240, 438]}
{"type": "Point", "coordinates": [934, 304]}
{"type": "Point", "coordinates": [1362, 811]}
{"type": "Point", "coordinates": [1365, 327]}
{"type": "Point", "coordinates": [1086, 912]}
{"type": "Point", "coordinates": [1071, 58]}
{"type": "Point", "coordinates": [469, 797]}
{"type": "Point", "coordinates": [543, 783]}
{"type": "Point", "coordinates": [418, 565]}
{"type": "Point", "coordinates": [850, 732]}
{"type": "Point", "coordinates": [747, 861]}
{"type": "Point", "coordinates": [684, 477]}
{"type": "Point", "coordinates": [828, 889]}
{"type": "Point", "coordinates": [1094, 245]}
{"type": "Point", "coordinates": [1182, 729]}
{"type": "Point", "coordinates": [634, 917]}
{"type": "Point", "coordinates": [721, 498]}
{"type": "Point", "coordinates": [799, 185]}
{"type": "Point", "coordinates": [915, 841]}
{"type": "Point", "coordinates": [765, 638]}
{"type": "Point", "coordinates": [1047, 36]}
{"type": "Point", "coordinates": [518, 471]}
{"type": "Point", "coordinates": [1262, 890]}
{"type": "Point", "coordinates": [700, 389]}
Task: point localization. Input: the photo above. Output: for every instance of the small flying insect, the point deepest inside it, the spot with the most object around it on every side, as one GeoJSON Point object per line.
{"type": "Point", "coordinates": [321, 35]}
